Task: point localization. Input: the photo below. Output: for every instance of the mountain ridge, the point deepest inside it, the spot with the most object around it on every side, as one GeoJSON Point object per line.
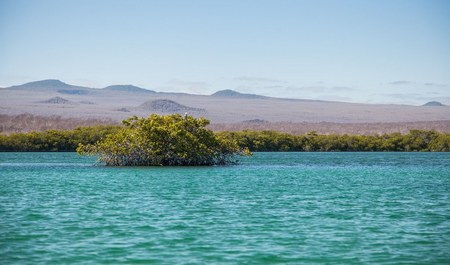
{"type": "Point", "coordinates": [168, 106]}
{"type": "Point", "coordinates": [229, 93]}
{"type": "Point", "coordinates": [44, 84]}
{"type": "Point", "coordinates": [433, 104]}
{"type": "Point", "coordinates": [128, 88]}
{"type": "Point", "coordinates": [65, 88]}
{"type": "Point", "coordinates": [69, 89]}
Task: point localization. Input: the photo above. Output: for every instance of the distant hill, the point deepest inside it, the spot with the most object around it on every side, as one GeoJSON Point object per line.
{"type": "Point", "coordinates": [67, 89]}
{"type": "Point", "coordinates": [433, 104]}
{"type": "Point", "coordinates": [228, 93]}
{"type": "Point", "coordinates": [49, 84]}
{"type": "Point", "coordinates": [128, 88]}
{"type": "Point", "coordinates": [168, 106]}
{"type": "Point", "coordinates": [53, 85]}
{"type": "Point", "coordinates": [50, 97]}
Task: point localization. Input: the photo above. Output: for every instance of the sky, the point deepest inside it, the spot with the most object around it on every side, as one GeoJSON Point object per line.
{"type": "Point", "coordinates": [379, 51]}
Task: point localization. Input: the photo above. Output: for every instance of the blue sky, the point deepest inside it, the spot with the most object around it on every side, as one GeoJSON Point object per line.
{"type": "Point", "coordinates": [350, 50]}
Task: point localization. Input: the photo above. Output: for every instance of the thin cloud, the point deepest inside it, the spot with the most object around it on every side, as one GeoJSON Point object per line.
{"type": "Point", "coordinates": [197, 87]}
{"type": "Point", "coordinates": [326, 89]}
{"type": "Point", "coordinates": [401, 98]}
{"type": "Point", "coordinates": [414, 96]}
{"type": "Point", "coordinates": [272, 87]}
{"type": "Point", "coordinates": [177, 82]}
{"type": "Point", "coordinates": [401, 82]}
{"type": "Point", "coordinates": [257, 79]}
{"type": "Point", "coordinates": [341, 88]}
{"type": "Point", "coordinates": [310, 88]}
{"type": "Point", "coordinates": [334, 98]}
{"type": "Point", "coordinates": [434, 85]}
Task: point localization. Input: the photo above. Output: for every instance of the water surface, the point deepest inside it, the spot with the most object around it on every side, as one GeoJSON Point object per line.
{"type": "Point", "coordinates": [287, 208]}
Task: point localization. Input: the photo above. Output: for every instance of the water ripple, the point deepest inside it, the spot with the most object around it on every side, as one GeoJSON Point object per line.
{"type": "Point", "coordinates": [285, 208]}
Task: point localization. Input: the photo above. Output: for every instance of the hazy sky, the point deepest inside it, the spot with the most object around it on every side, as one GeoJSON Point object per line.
{"type": "Point", "coordinates": [360, 51]}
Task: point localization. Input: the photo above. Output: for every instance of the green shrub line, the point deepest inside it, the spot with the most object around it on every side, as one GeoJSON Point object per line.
{"type": "Point", "coordinates": [272, 141]}
{"type": "Point", "coordinates": [255, 141]}
{"type": "Point", "coordinates": [55, 140]}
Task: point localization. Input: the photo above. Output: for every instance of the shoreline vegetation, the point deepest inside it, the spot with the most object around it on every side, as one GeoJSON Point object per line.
{"type": "Point", "coordinates": [254, 141]}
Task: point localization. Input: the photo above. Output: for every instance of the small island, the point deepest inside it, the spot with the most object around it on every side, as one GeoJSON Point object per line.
{"type": "Point", "coordinates": [171, 140]}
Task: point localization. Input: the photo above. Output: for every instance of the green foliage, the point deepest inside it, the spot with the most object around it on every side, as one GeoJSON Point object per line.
{"type": "Point", "coordinates": [170, 140]}
{"type": "Point", "coordinates": [54, 140]}
{"type": "Point", "coordinates": [269, 141]}
{"type": "Point", "coordinates": [188, 140]}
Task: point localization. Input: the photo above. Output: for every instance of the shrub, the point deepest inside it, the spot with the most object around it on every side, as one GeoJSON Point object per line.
{"type": "Point", "coordinates": [170, 140]}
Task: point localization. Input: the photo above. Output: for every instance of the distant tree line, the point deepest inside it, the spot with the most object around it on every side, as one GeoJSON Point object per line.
{"type": "Point", "coordinates": [255, 141]}
{"type": "Point", "coordinates": [272, 141]}
{"type": "Point", "coordinates": [55, 140]}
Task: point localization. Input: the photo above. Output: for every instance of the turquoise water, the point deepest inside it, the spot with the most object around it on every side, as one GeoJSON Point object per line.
{"type": "Point", "coordinates": [286, 208]}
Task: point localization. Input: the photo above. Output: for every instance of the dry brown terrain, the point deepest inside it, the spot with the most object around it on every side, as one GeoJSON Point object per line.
{"type": "Point", "coordinates": [29, 122]}
{"type": "Point", "coordinates": [227, 110]}
{"type": "Point", "coordinates": [335, 128]}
